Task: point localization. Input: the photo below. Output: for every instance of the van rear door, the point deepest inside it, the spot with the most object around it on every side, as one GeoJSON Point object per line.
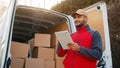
{"type": "Point", "coordinates": [97, 18]}
{"type": "Point", "coordinates": [6, 21]}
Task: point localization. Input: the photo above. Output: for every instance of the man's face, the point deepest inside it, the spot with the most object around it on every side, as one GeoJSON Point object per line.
{"type": "Point", "coordinates": [80, 20]}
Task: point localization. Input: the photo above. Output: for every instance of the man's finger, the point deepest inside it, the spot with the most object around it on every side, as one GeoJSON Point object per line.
{"type": "Point", "coordinates": [70, 43]}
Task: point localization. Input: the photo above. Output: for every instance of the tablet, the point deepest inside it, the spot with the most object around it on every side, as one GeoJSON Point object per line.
{"type": "Point", "coordinates": [64, 38]}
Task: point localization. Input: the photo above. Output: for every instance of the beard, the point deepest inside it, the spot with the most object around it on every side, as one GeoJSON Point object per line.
{"type": "Point", "coordinates": [81, 24]}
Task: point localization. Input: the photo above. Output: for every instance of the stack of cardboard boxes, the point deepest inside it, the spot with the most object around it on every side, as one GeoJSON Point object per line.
{"type": "Point", "coordinates": [43, 53]}
{"type": "Point", "coordinates": [19, 52]}
{"type": "Point", "coordinates": [58, 60]}
{"type": "Point", "coordinates": [41, 49]}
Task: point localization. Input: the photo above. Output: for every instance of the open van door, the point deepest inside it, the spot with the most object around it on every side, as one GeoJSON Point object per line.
{"type": "Point", "coordinates": [97, 19]}
{"type": "Point", "coordinates": [6, 21]}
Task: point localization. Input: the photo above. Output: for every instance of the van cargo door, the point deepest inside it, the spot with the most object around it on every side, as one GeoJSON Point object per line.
{"type": "Point", "coordinates": [6, 21]}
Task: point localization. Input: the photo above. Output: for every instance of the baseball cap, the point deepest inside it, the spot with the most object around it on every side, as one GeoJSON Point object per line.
{"type": "Point", "coordinates": [79, 12]}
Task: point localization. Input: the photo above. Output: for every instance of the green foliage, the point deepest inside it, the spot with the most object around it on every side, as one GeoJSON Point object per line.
{"type": "Point", "coordinates": [69, 6]}
{"type": "Point", "coordinates": [114, 27]}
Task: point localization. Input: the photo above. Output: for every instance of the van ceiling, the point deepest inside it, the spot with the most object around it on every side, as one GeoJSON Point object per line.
{"type": "Point", "coordinates": [31, 20]}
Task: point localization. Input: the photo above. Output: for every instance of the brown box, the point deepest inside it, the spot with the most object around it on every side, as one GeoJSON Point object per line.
{"type": "Point", "coordinates": [49, 64]}
{"type": "Point", "coordinates": [54, 41]}
{"type": "Point", "coordinates": [43, 53]}
{"type": "Point", "coordinates": [19, 49]}
{"type": "Point", "coordinates": [42, 40]}
{"type": "Point", "coordinates": [31, 42]}
{"type": "Point", "coordinates": [59, 63]}
{"type": "Point", "coordinates": [17, 63]}
{"type": "Point", "coordinates": [34, 63]}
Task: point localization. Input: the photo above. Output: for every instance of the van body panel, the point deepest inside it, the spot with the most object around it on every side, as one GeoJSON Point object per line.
{"type": "Point", "coordinates": [98, 20]}
{"type": "Point", "coordinates": [31, 20]}
{"type": "Point", "coordinates": [6, 22]}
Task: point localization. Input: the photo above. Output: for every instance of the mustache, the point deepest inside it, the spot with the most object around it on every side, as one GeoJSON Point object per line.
{"type": "Point", "coordinates": [77, 21]}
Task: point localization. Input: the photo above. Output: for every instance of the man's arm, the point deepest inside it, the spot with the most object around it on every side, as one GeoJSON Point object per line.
{"type": "Point", "coordinates": [60, 51]}
{"type": "Point", "coordinates": [96, 48]}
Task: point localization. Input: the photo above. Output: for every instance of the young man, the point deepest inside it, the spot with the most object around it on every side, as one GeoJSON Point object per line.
{"type": "Point", "coordinates": [87, 46]}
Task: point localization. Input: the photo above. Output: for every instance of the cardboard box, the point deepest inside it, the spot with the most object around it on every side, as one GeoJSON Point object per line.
{"type": "Point", "coordinates": [39, 63]}
{"type": "Point", "coordinates": [54, 41]}
{"type": "Point", "coordinates": [43, 53]}
{"type": "Point", "coordinates": [42, 40]}
{"type": "Point", "coordinates": [19, 50]}
{"type": "Point", "coordinates": [49, 63]}
{"type": "Point", "coordinates": [59, 63]}
{"type": "Point", "coordinates": [31, 42]}
{"type": "Point", "coordinates": [17, 63]}
{"type": "Point", "coordinates": [34, 63]}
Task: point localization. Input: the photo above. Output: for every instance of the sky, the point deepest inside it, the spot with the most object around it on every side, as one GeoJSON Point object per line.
{"type": "Point", "coordinates": [47, 4]}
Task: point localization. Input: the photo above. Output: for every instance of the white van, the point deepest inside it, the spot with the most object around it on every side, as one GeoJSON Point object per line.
{"type": "Point", "coordinates": [20, 23]}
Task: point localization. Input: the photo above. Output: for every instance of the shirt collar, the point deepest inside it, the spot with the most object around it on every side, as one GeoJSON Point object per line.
{"type": "Point", "coordinates": [83, 28]}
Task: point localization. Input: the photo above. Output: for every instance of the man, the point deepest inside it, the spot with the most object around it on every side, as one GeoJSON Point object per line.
{"type": "Point", "coordinates": [87, 46]}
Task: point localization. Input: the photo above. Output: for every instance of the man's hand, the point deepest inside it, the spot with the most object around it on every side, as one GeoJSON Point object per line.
{"type": "Point", "coordinates": [74, 46]}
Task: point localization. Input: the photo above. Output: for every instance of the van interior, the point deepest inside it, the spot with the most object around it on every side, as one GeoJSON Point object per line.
{"type": "Point", "coordinates": [31, 20]}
